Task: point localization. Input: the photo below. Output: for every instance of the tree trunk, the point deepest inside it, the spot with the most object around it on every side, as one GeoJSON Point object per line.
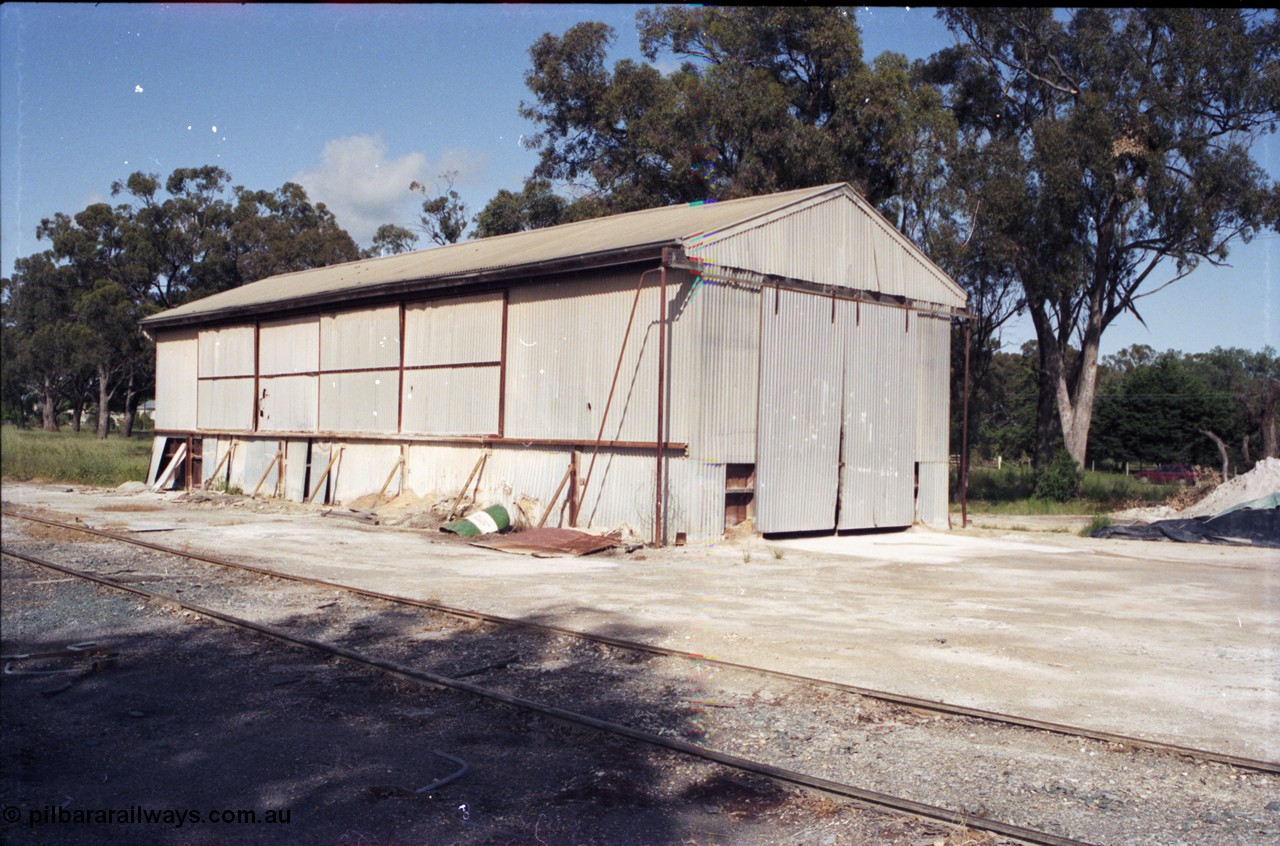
{"type": "Point", "coordinates": [1247, 460]}
{"type": "Point", "coordinates": [77, 413]}
{"type": "Point", "coordinates": [1268, 420]}
{"type": "Point", "coordinates": [1222, 450]}
{"type": "Point", "coordinates": [104, 401]}
{"type": "Point", "coordinates": [1076, 411]}
{"type": "Point", "coordinates": [48, 407]}
{"type": "Point", "coordinates": [1046, 392]}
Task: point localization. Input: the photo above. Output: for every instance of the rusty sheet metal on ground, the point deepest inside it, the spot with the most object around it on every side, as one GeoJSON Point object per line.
{"type": "Point", "coordinates": [545, 543]}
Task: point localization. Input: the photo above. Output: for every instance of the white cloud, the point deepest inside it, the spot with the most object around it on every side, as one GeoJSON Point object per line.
{"type": "Point", "coordinates": [364, 189]}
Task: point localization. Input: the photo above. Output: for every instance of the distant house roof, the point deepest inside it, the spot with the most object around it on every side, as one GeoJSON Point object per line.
{"type": "Point", "coordinates": [598, 242]}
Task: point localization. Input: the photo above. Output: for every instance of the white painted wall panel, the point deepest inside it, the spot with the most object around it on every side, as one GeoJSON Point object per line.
{"type": "Point", "coordinates": [563, 341]}
{"type": "Point", "coordinates": [289, 346]}
{"type": "Point", "coordinates": [177, 354]}
{"type": "Point", "coordinates": [227, 351]}
{"type": "Point", "coordinates": [457, 330]}
{"type": "Point", "coordinates": [359, 402]}
{"type": "Point", "coordinates": [367, 338]}
{"type": "Point", "coordinates": [800, 400]}
{"type": "Point", "coordinates": [226, 404]}
{"type": "Point", "coordinates": [451, 401]}
{"type": "Point", "coordinates": [287, 403]}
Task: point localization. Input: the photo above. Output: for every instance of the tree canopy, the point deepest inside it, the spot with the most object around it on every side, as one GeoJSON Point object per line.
{"type": "Point", "coordinates": [71, 311]}
{"type": "Point", "coordinates": [1128, 132]}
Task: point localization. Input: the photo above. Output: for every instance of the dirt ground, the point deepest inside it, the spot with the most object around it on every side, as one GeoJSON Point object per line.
{"type": "Point", "coordinates": [1176, 642]}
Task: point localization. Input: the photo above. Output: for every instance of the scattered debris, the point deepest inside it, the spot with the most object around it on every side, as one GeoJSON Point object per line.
{"type": "Point", "coordinates": [485, 522]}
{"type": "Point", "coordinates": [546, 543]}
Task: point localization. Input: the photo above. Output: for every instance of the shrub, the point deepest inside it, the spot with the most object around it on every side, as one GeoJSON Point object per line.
{"type": "Point", "coordinates": [1060, 480]}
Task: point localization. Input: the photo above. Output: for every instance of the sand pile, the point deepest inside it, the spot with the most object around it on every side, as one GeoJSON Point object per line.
{"type": "Point", "coordinates": [1262, 480]}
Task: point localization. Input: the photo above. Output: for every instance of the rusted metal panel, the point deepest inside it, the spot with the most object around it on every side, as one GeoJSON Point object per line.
{"type": "Point", "coordinates": [549, 542]}
{"type": "Point", "coordinates": [451, 401]}
{"type": "Point", "coordinates": [226, 351]}
{"type": "Point", "coordinates": [226, 404]}
{"type": "Point", "coordinates": [289, 346]}
{"type": "Point", "coordinates": [799, 415]}
{"type": "Point", "coordinates": [456, 330]}
{"type": "Point", "coordinates": [287, 403]}
{"type": "Point", "coordinates": [359, 402]}
{"type": "Point", "coordinates": [177, 356]}
{"type": "Point", "coordinates": [361, 339]}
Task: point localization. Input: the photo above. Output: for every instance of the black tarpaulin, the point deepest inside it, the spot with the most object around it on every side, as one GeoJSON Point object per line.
{"type": "Point", "coordinates": [1241, 527]}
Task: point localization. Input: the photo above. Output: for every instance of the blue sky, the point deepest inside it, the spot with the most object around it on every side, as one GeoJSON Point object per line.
{"type": "Point", "coordinates": [354, 102]}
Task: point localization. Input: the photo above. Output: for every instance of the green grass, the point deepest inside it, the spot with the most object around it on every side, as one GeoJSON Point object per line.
{"type": "Point", "coordinates": [1009, 491]}
{"type": "Point", "coordinates": [81, 459]}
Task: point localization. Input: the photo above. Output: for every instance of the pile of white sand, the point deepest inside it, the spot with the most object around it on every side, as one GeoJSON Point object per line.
{"type": "Point", "coordinates": [1262, 480]}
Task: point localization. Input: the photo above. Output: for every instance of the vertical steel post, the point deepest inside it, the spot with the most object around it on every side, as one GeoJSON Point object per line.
{"type": "Point", "coordinates": [662, 382]}
{"type": "Point", "coordinates": [964, 435]}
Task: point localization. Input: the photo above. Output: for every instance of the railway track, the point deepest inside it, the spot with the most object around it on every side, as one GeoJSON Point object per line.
{"type": "Point", "coordinates": [933, 706]}
{"type": "Point", "coordinates": [727, 710]}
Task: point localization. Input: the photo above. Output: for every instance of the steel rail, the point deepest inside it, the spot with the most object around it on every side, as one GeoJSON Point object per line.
{"type": "Point", "coordinates": [884, 800]}
{"type": "Point", "coordinates": [932, 705]}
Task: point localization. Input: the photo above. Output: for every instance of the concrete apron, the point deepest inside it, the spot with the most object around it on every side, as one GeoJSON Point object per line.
{"type": "Point", "coordinates": [1179, 643]}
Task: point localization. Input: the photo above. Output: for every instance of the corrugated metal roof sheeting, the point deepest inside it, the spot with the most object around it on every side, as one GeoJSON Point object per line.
{"type": "Point", "coordinates": [177, 355]}
{"type": "Point", "coordinates": [584, 238]}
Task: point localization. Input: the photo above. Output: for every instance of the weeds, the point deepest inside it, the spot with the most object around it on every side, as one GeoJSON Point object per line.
{"type": "Point", "coordinates": [73, 458]}
{"type": "Point", "coordinates": [1099, 522]}
{"type": "Point", "coordinates": [1012, 491]}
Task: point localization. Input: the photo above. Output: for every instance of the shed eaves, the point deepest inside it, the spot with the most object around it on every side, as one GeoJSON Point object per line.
{"type": "Point", "coordinates": [589, 242]}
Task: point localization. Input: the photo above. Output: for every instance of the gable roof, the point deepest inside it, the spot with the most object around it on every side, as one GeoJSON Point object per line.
{"type": "Point", "coordinates": [597, 242]}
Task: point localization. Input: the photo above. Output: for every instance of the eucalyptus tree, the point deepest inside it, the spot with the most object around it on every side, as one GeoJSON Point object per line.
{"type": "Point", "coordinates": [1132, 129]}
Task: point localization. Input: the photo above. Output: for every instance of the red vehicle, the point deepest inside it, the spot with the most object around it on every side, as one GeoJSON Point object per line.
{"type": "Point", "coordinates": [1168, 474]}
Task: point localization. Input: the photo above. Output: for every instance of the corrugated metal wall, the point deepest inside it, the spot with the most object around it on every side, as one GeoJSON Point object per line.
{"type": "Point", "coordinates": [460, 341]}
{"type": "Point", "coordinates": [177, 357]}
{"type": "Point", "coordinates": [563, 341]}
{"type": "Point", "coordinates": [840, 243]}
{"type": "Point", "coordinates": [846, 404]}
{"type": "Point", "coordinates": [288, 401]}
{"type": "Point", "coordinates": [933, 422]}
{"type": "Point", "coordinates": [800, 397]}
